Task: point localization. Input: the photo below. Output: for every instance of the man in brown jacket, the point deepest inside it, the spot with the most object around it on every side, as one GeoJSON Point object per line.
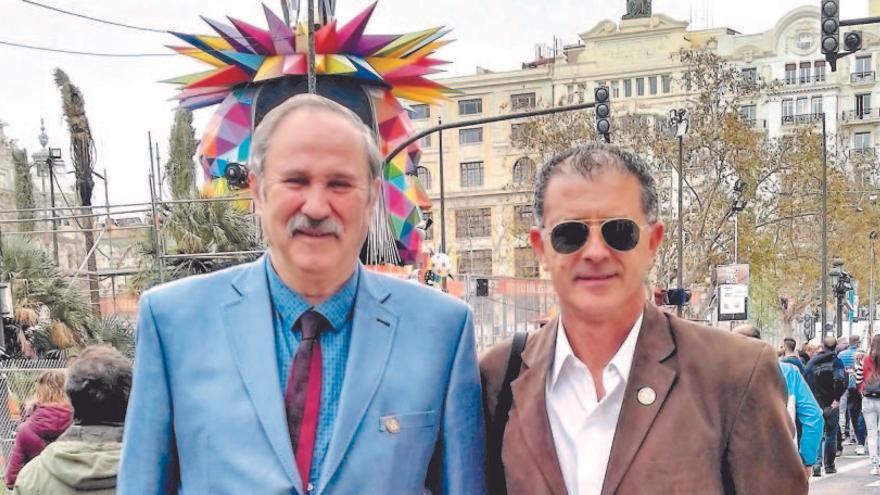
{"type": "Point", "coordinates": [615, 396]}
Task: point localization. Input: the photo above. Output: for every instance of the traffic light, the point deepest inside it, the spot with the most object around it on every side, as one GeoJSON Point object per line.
{"type": "Point", "coordinates": [852, 41]}
{"type": "Point", "coordinates": [603, 112]}
{"type": "Point", "coordinates": [830, 28]}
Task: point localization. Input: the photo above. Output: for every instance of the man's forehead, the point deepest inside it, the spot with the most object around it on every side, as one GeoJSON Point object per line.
{"type": "Point", "coordinates": [571, 194]}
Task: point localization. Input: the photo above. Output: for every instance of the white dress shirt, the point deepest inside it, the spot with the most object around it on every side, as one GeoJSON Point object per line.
{"type": "Point", "coordinates": [583, 427]}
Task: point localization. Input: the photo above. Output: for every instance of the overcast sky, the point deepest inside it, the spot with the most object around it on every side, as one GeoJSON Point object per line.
{"type": "Point", "coordinates": [124, 100]}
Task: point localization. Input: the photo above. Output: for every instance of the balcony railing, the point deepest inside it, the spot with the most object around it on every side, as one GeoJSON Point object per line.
{"type": "Point", "coordinates": [756, 123]}
{"type": "Point", "coordinates": [861, 115]}
{"type": "Point", "coordinates": [806, 118]}
{"type": "Point", "coordinates": [857, 77]}
{"type": "Point", "coordinates": [803, 79]}
{"type": "Point", "coordinates": [864, 152]}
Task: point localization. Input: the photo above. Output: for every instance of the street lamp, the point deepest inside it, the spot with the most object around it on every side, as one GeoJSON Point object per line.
{"type": "Point", "coordinates": [678, 119]}
{"type": "Point", "coordinates": [54, 160]}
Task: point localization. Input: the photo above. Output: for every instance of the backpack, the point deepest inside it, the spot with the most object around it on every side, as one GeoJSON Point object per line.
{"type": "Point", "coordinates": [495, 465]}
{"type": "Point", "coordinates": [829, 381]}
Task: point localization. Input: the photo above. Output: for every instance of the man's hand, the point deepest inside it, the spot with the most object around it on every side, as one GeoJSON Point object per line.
{"type": "Point", "coordinates": [808, 470]}
{"type": "Point", "coordinates": [834, 404]}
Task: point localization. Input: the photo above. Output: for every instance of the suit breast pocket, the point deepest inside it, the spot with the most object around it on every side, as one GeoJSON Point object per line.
{"type": "Point", "coordinates": [402, 423]}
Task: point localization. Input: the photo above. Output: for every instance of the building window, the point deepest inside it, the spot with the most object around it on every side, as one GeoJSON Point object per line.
{"type": "Point", "coordinates": [666, 83]}
{"type": "Point", "coordinates": [787, 107]}
{"type": "Point", "coordinates": [420, 112]}
{"type": "Point", "coordinates": [425, 142]}
{"type": "Point", "coordinates": [523, 218]}
{"type": "Point", "coordinates": [524, 171]}
{"type": "Point", "coordinates": [640, 86]}
{"type": "Point", "coordinates": [471, 135]}
{"type": "Point", "coordinates": [424, 177]}
{"type": "Point", "coordinates": [750, 114]}
{"type": "Point", "coordinates": [750, 74]}
{"type": "Point", "coordinates": [615, 89]}
{"type": "Point", "coordinates": [475, 262]}
{"type": "Point", "coordinates": [429, 220]}
{"type": "Point", "coordinates": [803, 105]}
{"type": "Point", "coordinates": [805, 41]}
{"type": "Point", "coordinates": [805, 73]}
{"type": "Point", "coordinates": [473, 222]}
{"type": "Point", "coordinates": [517, 131]}
{"type": "Point", "coordinates": [863, 64]}
{"type": "Point", "coordinates": [862, 141]}
{"type": "Point", "coordinates": [652, 85]}
{"type": "Point", "coordinates": [526, 263]}
{"type": "Point", "coordinates": [470, 107]}
{"type": "Point", "coordinates": [816, 106]}
{"type": "Point", "coordinates": [471, 174]}
{"type": "Point", "coordinates": [522, 101]}
{"type": "Point", "coordinates": [627, 88]}
{"type": "Point", "coordinates": [863, 105]}
{"type": "Point", "coordinates": [790, 74]}
{"type": "Point", "coordinates": [819, 70]}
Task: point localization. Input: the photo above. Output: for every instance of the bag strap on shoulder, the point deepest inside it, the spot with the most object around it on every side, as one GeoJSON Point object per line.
{"type": "Point", "coordinates": [502, 410]}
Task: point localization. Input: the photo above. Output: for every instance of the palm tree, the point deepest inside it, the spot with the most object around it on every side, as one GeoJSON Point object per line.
{"type": "Point", "coordinates": [82, 151]}
{"type": "Point", "coordinates": [51, 317]}
{"type": "Point", "coordinates": [198, 227]}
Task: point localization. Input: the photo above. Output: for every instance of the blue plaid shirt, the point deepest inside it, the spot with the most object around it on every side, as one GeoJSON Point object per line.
{"type": "Point", "coordinates": [288, 306]}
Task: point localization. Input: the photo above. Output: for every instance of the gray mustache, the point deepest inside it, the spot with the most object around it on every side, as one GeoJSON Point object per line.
{"type": "Point", "coordinates": [303, 223]}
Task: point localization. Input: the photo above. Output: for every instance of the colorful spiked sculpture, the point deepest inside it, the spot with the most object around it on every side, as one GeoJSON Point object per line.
{"type": "Point", "coordinates": [254, 69]}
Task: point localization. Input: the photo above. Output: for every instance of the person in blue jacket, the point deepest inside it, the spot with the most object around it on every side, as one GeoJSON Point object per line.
{"type": "Point", "coordinates": [807, 411]}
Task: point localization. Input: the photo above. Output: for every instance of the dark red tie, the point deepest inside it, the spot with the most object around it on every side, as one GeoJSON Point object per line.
{"type": "Point", "coordinates": [303, 396]}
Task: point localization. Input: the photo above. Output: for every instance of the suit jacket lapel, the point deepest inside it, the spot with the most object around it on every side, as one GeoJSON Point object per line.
{"type": "Point", "coordinates": [650, 368]}
{"type": "Point", "coordinates": [529, 411]}
{"type": "Point", "coordinates": [372, 336]}
{"type": "Point", "coordinates": [250, 331]}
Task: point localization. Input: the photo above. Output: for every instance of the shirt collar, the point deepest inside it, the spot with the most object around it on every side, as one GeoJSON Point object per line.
{"type": "Point", "coordinates": [290, 305]}
{"type": "Point", "coordinates": [622, 359]}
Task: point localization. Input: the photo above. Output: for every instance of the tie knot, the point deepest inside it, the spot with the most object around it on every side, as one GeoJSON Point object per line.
{"type": "Point", "coordinates": [311, 323]}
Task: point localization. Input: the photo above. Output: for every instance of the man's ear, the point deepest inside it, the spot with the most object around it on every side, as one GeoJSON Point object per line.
{"type": "Point", "coordinates": [655, 237]}
{"type": "Point", "coordinates": [254, 187]}
{"type": "Point", "coordinates": [537, 242]}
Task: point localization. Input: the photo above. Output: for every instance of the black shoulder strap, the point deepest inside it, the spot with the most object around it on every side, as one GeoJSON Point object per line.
{"type": "Point", "coordinates": [497, 483]}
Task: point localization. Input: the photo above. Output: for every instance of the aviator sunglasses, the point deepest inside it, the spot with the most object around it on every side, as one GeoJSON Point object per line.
{"type": "Point", "coordinates": [620, 234]}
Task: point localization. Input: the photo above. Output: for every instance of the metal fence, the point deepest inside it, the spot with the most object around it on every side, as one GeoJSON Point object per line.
{"type": "Point", "coordinates": [503, 305]}
{"type": "Point", "coordinates": [19, 377]}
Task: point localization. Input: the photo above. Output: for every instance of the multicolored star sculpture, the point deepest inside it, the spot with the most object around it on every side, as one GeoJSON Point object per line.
{"type": "Point", "coordinates": [387, 67]}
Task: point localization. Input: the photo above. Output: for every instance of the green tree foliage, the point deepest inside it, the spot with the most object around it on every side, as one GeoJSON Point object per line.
{"type": "Point", "coordinates": [24, 189]}
{"type": "Point", "coordinates": [180, 168]}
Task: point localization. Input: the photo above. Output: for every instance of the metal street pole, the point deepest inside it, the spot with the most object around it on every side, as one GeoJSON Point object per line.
{"type": "Point", "coordinates": [311, 55]}
{"type": "Point", "coordinates": [109, 237]}
{"type": "Point", "coordinates": [680, 279]}
{"type": "Point", "coordinates": [871, 303]}
{"type": "Point", "coordinates": [824, 304]}
{"type": "Point", "coordinates": [442, 193]}
{"type": "Point", "coordinates": [839, 318]}
{"type": "Point", "coordinates": [54, 214]}
{"type": "Point", "coordinates": [736, 238]}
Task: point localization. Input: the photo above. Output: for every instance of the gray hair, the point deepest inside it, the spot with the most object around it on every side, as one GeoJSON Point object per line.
{"type": "Point", "coordinates": [585, 160]}
{"type": "Point", "coordinates": [266, 129]}
{"type": "Point", "coordinates": [98, 384]}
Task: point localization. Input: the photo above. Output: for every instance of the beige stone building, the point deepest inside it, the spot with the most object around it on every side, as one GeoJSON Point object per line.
{"type": "Point", "coordinates": [488, 182]}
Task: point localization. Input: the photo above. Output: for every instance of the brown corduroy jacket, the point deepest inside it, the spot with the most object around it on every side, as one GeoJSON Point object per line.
{"type": "Point", "coordinates": [719, 423]}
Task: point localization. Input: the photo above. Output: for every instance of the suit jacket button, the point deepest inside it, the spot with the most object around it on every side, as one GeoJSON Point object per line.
{"type": "Point", "coordinates": [646, 396]}
{"type": "Point", "coordinates": [392, 425]}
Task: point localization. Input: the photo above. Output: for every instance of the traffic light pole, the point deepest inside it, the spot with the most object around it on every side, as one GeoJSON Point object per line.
{"type": "Point", "coordinates": [486, 120]}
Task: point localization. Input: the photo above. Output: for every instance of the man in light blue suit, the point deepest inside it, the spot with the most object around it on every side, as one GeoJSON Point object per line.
{"type": "Point", "coordinates": [222, 402]}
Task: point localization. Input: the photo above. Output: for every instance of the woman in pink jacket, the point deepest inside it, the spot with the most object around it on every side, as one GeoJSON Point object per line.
{"type": "Point", "coordinates": [51, 415]}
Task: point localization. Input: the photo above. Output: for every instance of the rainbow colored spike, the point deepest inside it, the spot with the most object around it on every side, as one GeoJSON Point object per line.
{"type": "Point", "coordinates": [242, 56]}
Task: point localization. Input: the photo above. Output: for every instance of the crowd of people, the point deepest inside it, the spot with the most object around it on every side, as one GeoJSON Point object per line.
{"type": "Point", "coordinates": [840, 404]}
{"type": "Point", "coordinates": [70, 440]}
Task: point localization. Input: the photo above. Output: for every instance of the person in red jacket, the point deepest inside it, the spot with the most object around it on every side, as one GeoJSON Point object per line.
{"type": "Point", "coordinates": [51, 415]}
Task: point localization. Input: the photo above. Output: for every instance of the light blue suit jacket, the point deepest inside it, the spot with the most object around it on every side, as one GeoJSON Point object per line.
{"type": "Point", "coordinates": [206, 413]}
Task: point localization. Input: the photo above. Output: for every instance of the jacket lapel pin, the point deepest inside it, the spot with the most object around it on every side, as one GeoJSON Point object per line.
{"type": "Point", "coordinates": [646, 396]}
